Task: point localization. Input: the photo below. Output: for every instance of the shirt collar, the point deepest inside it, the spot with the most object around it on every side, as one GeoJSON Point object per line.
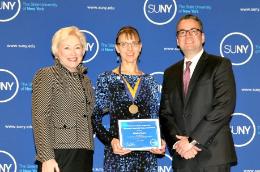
{"type": "Point", "coordinates": [194, 60]}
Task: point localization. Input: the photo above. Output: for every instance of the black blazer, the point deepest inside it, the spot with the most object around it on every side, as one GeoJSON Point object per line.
{"type": "Point", "coordinates": [204, 114]}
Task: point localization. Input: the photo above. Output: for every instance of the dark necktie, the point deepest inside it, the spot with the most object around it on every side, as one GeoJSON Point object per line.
{"type": "Point", "coordinates": [186, 77]}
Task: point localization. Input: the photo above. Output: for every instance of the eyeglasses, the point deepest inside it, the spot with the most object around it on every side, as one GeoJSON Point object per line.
{"type": "Point", "coordinates": [133, 44]}
{"type": "Point", "coordinates": [192, 32]}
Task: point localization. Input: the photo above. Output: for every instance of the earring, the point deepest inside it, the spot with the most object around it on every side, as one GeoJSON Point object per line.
{"type": "Point", "coordinates": [118, 60]}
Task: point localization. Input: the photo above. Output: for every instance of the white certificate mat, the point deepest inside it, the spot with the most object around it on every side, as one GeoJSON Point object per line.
{"type": "Point", "coordinates": [139, 134]}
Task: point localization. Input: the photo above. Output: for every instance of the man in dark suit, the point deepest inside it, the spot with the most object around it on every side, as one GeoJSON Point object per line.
{"type": "Point", "coordinates": [198, 98]}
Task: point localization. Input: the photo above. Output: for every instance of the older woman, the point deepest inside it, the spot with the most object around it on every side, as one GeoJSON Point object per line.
{"type": "Point", "coordinates": [62, 105]}
{"type": "Point", "coordinates": [112, 97]}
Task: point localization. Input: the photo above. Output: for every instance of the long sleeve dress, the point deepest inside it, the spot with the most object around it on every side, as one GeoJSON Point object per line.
{"type": "Point", "coordinates": [112, 99]}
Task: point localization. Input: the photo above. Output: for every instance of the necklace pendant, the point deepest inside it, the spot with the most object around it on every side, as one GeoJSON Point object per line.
{"type": "Point", "coordinates": [133, 109]}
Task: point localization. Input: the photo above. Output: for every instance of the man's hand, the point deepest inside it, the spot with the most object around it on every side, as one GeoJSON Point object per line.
{"type": "Point", "coordinates": [183, 145]}
{"type": "Point", "coordinates": [191, 153]}
{"type": "Point", "coordinates": [185, 149]}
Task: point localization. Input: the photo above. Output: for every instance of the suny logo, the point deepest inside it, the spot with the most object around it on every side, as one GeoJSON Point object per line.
{"type": "Point", "coordinates": [9, 9]}
{"type": "Point", "coordinates": [238, 47]}
{"type": "Point", "coordinates": [243, 129]}
{"type": "Point", "coordinates": [92, 46]}
{"type": "Point", "coordinates": [165, 164]}
{"type": "Point", "coordinates": [160, 12]}
{"type": "Point", "coordinates": [158, 76]}
{"type": "Point", "coordinates": [9, 85]}
{"type": "Point", "coordinates": [7, 162]}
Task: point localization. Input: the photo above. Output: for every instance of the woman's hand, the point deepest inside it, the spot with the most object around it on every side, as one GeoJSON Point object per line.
{"type": "Point", "coordinates": [117, 149]}
{"type": "Point", "coordinates": [50, 166]}
{"type": "Point", "coordinates": [161, 150]}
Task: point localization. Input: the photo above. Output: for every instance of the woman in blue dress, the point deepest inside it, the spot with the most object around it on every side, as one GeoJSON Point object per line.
{"type": "Point", "coordinates": [126, 93]}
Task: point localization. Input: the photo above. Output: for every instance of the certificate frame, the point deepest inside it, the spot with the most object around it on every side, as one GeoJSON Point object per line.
{"type": "Point", "coordinates": [139, 134]}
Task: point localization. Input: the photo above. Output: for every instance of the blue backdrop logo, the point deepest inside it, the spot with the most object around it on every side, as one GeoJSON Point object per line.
{"type": "Point", "coordinates": [7, 162]}
{"type": "Point", "coordinates": [92, 46]}
{"type": "Point", "coordinates": [9, 9]}
{"type": "Point", "coordinates": [243, 129]}
{"type": "Point", "coordinates": [160, 12]}
{"type": "Point", "coordinates": [158, 76]}
{"type": "Point", "coordinates": [238, 47]}
{"type": "Point", "coordinates": [165, 164]}
{"type": "Point", "coordinates": [9, 85]}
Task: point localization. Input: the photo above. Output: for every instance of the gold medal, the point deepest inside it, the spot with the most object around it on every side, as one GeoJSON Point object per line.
{"type": "Point", "coordinates": [132, 92]}
{"type": "Point", "coordinates": [133, 109]}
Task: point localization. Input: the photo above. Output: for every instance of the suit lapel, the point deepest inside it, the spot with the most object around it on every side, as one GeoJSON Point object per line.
{"type": "Point", "coordinates": [196, 74]}
{"type": "Point", "coordinates": [179, 79]}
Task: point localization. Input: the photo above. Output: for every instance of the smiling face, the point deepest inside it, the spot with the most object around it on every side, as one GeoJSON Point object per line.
{"type": "Point", "coordinates": [70, 52]}
{"type": "Point", "coordinates": [128, 47]}
{"type": "Point", "coordinates": [191, 43]}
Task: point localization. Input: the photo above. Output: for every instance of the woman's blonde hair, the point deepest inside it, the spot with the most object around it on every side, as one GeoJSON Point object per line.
{"type": "Point", "coordinates": [63, 33]}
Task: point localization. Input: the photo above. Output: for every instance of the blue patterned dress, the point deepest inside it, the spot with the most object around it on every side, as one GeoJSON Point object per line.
{"type": "Point", "coordinates": [112, 99]}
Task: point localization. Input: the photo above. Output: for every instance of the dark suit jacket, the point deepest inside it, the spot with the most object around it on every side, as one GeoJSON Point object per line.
{"type": "Point", "coordinates": [204, 114]}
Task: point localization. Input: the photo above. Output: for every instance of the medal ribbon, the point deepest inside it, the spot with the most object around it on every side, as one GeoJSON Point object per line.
{"type": "Point", "coordinates": [131, 92]}
{"type": "Point", "coordinates": [130, 89]}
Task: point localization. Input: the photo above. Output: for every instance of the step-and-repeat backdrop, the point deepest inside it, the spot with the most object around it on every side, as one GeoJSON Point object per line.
{"type": "Point", "coordinates": [232, 29]}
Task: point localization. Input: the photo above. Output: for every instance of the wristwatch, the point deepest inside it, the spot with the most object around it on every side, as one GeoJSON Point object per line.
{"type": "Point", "coordinates": [193, 142]}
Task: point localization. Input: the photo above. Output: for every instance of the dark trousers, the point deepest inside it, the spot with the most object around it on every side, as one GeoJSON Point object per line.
{"type": "Point", "coordinates": [218, 168]}
{"type": "Point", "coordinates": [73, 160]}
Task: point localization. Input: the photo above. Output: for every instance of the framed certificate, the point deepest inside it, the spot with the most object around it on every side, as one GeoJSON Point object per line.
{"type": "Point", "coordinates": [139, 134]}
